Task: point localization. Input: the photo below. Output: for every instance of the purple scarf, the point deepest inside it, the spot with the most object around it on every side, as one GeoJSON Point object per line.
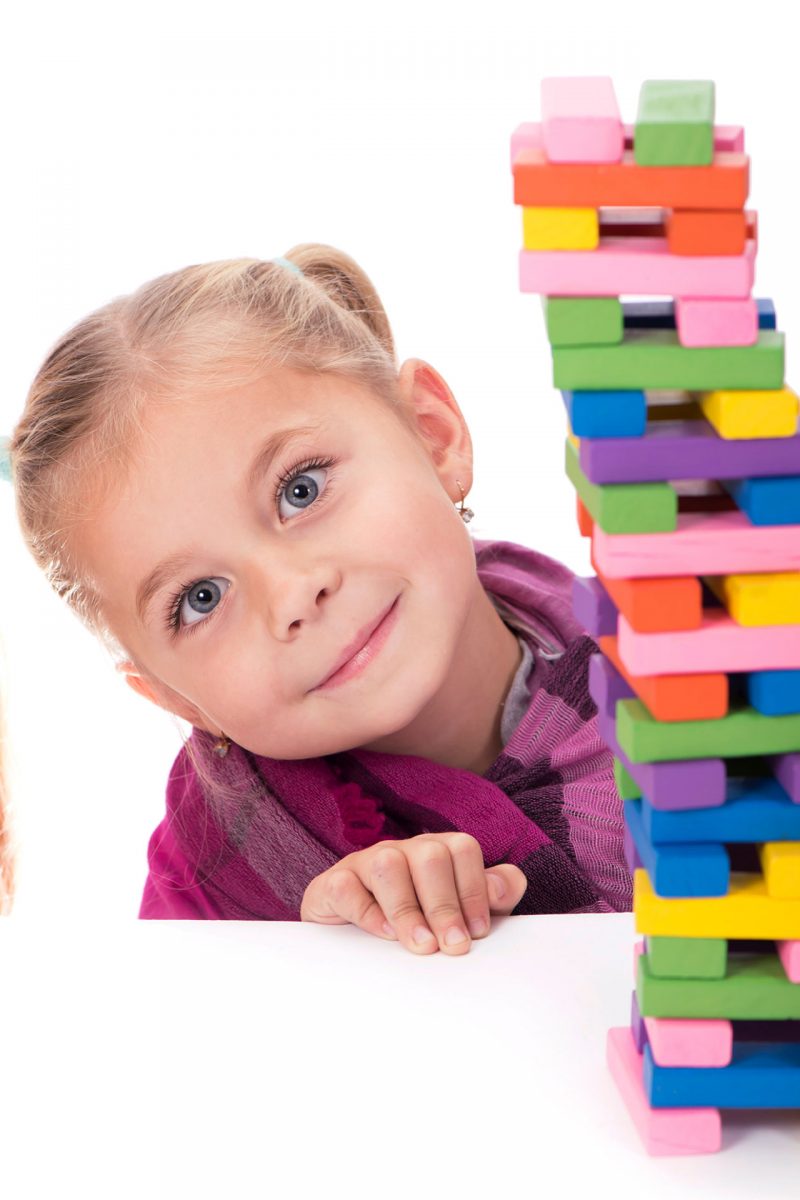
{"type": "Point", "coordinates": [548, 803]}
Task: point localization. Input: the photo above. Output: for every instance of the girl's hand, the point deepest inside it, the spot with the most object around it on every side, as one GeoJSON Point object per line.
{"type": "Point", "coordinates": [406, 889]}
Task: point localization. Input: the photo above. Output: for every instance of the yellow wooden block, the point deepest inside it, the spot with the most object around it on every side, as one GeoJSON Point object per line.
{"type": "Point", "coordinates": [575, 441]}
{"type": "Point", "coordinates": [757, 414]}
{"type": "Point", "coordinates": [560, 229]}
{"type": "Point", "coordinates": [748, 911]}
{"type": "Point", "coordinates": [765, 599]}
{"type": "Point", "coordinates": [780, 862]}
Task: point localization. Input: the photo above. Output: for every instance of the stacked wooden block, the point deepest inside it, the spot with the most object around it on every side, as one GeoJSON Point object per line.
{"type": "Point", "coordinates": [683, 448]}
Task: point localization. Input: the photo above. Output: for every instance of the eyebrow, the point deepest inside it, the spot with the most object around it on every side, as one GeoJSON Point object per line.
{"type": "Point", "coordinates": [269, 449]}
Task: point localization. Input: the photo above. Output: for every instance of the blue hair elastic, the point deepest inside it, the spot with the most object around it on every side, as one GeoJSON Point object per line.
{"type": "Point", "coordinates": [284, 262]}
{"type": "Point", "coordinates": [5, 459]}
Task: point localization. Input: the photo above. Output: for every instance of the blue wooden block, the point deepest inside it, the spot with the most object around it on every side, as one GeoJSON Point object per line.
{"type": "Point", "coordinates": [755, 810]}
{"type": "Point", "coordinates": [606, 414]}
{"type": "Point", "coordinates": [774, 693]}
{"type": "Point", "coordinates": [660, 314]}
{"type": "Point", "coordinates": [773, 500]}
{"type": "Point", "coordinates": [759, 1076]}
{"type": "Point", "coordinates": [593, 606]}
{"type": "Point", "coordinates": [683, 870]}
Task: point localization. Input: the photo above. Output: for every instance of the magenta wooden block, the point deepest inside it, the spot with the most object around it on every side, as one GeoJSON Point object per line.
{"type": "Point", "coordinates": [638, 266]}
{"type": "Point", "coordinates": [789, 953]}
{"type": "Point", "coordinates": [681, 1042]}
{"type": "Point", "coordinates": [716, 322]}
{"type": "Point", "coordinates": [686, 449]}
{"type": "Point", "coordinates": [728, 139]}
{"type": "Point", "coordinates": [580, 120]}
{"type": "Point", "coordinates": [638, 1030]}
{"type": "Point", "coordinates": [664, 1131]}
{"type": "Point", "coordinates": [720, 644]}
{"type": "Point", "coordinates": [716, 543]}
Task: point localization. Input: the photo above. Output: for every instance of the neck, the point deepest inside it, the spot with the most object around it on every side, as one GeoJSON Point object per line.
{"type": "Point", "coordinates": [460, 726]}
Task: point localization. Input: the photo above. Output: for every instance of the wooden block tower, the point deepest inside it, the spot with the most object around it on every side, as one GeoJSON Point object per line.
{"type": "Point", "coordinates": [684, 451]}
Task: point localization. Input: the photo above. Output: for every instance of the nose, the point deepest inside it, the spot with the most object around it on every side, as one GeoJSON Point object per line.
{"type": "Point", "coordinates": [294, 593]}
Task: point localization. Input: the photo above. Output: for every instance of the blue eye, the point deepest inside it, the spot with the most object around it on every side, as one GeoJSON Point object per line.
{"type": "Point", "coordinates": [304, 490]}
{"type": "Point", "coordinates": [204, 596]}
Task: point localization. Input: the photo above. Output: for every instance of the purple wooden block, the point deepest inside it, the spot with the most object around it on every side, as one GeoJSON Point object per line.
{"type": "Point", "coordinates": [686, 450]}
{"type": "Point", "coordinates": [688, 783]}
{"type": "Point", "coordinates": [786, 769]}
{"type": "Point", "coordinates": [606, 685]}
{"type": "Point", "coordinates": [593, 606]}
{"type": "Point", "coordinates": [637, 1025]}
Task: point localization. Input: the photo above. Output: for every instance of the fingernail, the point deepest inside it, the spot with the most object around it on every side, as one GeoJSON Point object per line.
{"type": "Point", "coordinates": [478, 927]}
{"type": "Point", "coordinates": [497, 887]}
{"type": "Point", "coordinates": [422, 935]}
{"type": "Point", "coordinates": [454, 935]}
{"type": "Point", "coordinates": [387, 929]}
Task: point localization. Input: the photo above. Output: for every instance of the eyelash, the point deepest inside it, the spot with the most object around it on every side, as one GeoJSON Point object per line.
{"type": "Point", "coordinates": [172, 621]}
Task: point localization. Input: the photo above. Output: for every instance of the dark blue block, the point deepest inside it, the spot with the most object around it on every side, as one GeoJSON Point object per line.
{"type": "Point", "coordinates": [660, 314]}
{"type": "Point", "coordinates": [759, 1076]}
{"type": "Point", "coordinates": [773, 500]}
{"type": "Point", "coordinates": [755, 810]}
{"type": "Point", "coordinates": [680, 870]}
{"type": "Point", "coordinates": [774, 693]}
{"type": "Point", "coordinates": [606, 414]}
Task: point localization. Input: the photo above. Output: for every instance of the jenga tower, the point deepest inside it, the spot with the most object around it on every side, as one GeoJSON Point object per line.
{"type": "Point", "coordinates": [683, 449]}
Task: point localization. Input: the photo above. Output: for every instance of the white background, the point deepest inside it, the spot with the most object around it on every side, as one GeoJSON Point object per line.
{"type": "Point", "coordinates": [137, 140]}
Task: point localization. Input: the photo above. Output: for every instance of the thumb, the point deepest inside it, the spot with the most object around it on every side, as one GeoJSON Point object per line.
{"type": "Point", "coordinates": [507, 885]}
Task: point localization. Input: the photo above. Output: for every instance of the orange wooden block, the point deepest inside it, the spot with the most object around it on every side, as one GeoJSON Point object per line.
{"type": "Point", "coordinates": [656, 222]}
{"type": "Point", "coordinates": [722, 185]}
{"type": "Point", "coordinates": [697, 231]}
{"type": "Point", "coordinates": [585, 522]}
{"type": "Point", "coordinates": [674, 697]}
{"type": "Point", "coordinates": [657, 605]}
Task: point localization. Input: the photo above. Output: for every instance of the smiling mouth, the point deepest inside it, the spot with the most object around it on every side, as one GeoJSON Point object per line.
{"type": "Point", "coordinates": [362, 652]}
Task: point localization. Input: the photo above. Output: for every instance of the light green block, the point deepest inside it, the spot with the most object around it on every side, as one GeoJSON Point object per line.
{"type": "Point", "coordinates": [654, 358]}
{"type": "Point", "coordinates": [742, 732]}
{"type": "Point", "coordinates": [624, 507]}
{"type": "Point", "coordinates": [583, 321]}
{"type": "Point", "coordinates": [627, 786]}
{"type": "Point", "coordinates": [675, 123]}
{"type": "Point", "coordinates": [687, 958]}
{"type": "Point", "coordinates": [755, 988]}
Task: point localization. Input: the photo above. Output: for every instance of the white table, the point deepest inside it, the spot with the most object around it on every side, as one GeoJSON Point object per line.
{"type": "Point", "coordinates": [249, 1059]}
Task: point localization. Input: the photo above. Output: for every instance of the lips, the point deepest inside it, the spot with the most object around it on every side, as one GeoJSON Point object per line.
{"type": "Point", "coordinates": [360, 640]}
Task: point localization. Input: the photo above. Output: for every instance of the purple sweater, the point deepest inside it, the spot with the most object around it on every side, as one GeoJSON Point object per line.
{"type": "Point", "coordinates": [248, 848]}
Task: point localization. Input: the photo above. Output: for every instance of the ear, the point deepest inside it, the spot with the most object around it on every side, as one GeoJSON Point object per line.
{"type": "Point", "coordinates": [162, 696]}
{"type": "Point", "coordinates": [439, 422]}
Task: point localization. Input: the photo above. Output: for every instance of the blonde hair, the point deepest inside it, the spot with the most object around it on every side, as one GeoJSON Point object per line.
{"type": "Point", "coordinates": [210, 325]}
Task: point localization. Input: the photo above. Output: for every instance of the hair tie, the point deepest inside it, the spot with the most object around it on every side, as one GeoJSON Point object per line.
{"type": "Point", "coordinates": [284, 262]}
{"type": "Point", "coordinates": [5, 459]}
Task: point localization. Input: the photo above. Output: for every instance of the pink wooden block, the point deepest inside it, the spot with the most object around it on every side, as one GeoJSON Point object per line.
{"type": "Point", "coordinates": [580, 120]}
{"type": "Point", "coordinates": [722, 543]}
{"type": "Point", "coordinates": [728, 139]}
{"type": "Point", "coordinates": [790, 957]}
{"type": "Point", "coordinates": [718, 645]}
{"type": "Point", "coordinates": [663, 1130]}
{"type": "Point", "coordinates": [717, 322]}
{"type": "Point", "coordinates": [638, 266]}
{"type": "Point", "coordinates": [680, 1042]}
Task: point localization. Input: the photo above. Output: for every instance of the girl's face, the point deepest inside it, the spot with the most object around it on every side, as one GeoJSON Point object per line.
{"type": "Point", "coordinates": [289, 558]}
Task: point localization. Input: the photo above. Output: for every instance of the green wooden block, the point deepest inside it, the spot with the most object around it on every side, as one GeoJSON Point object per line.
{"type": "Point", "coordinates": [687, 958]}
{"type": "Point", "coordinates": [627, 787]}
{"type": "Point", "coordinates": [755, 987]}
{"type": "Point", "coordinates": [654, 358]}
{"type": "Point", "coordinates": [583, 321]}
{"type": "Point", "coordinates": [675, 123]}
{"type": "Point", "coordinates": [742, 732]}
{"type": "Point", "coordinates": [624, 507]}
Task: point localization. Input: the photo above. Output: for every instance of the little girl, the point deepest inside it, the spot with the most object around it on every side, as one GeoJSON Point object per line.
{"type": "Point", "coordinates": [229, 478]}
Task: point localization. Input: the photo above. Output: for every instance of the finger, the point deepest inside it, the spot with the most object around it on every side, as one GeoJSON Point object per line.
{"type": "Point", "coordinates": [507, 885]}
{"type": "Point", "coordinates": [339, 897]}
{"type": "Point", "coordinates": [432, 871]}
{"type": "Point", "coordinates": [387, 874]}
{"type": "Point", "coordinates": [470, 879]}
